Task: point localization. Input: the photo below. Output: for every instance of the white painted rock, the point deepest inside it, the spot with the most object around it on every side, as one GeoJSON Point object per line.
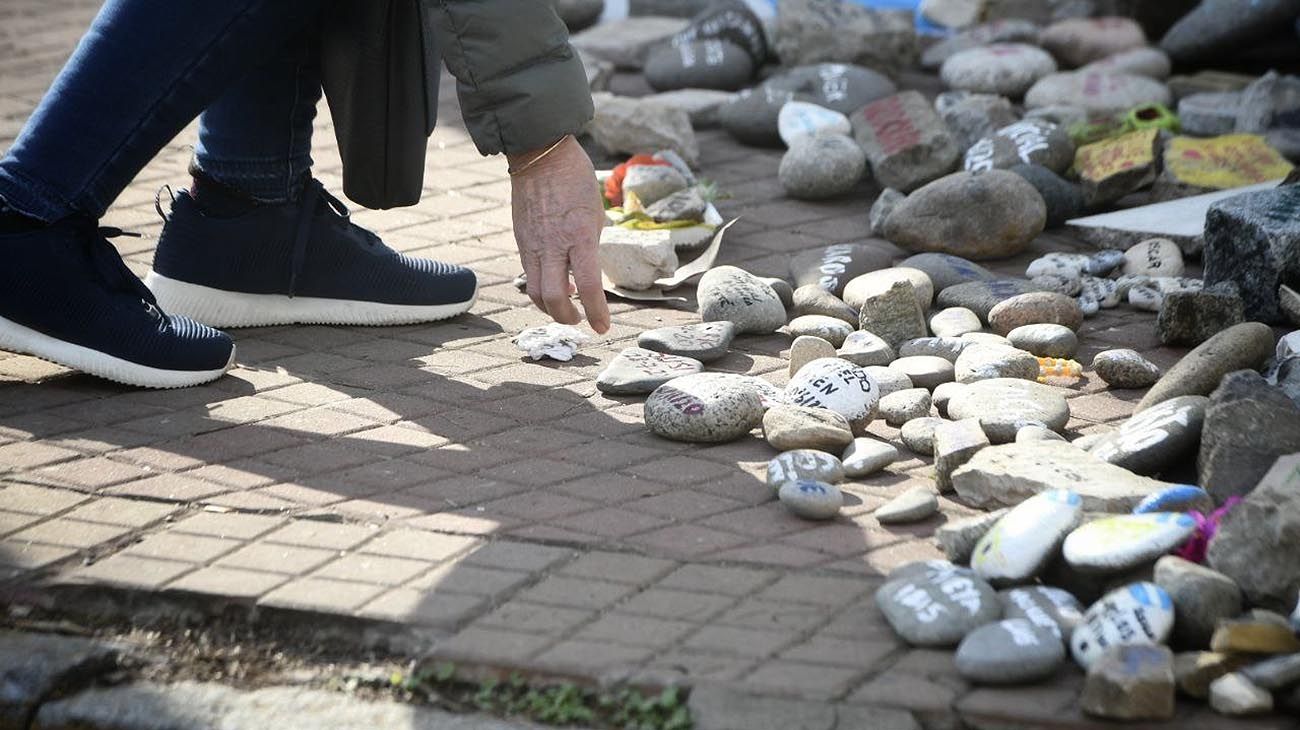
{"type": "Point", "coordinates": [801, 120]}
{"type": "Point", "coordinates": [1022, 543]}
{"type": "Point", "coordinates": [1051, 608]}
{"type": "Point", "coordinates": [636, 371]}
{"type": "Point", "coordinates": [811, 500]}
{"type": "Point", "coordinates": [866, 456]}
{"type": "Point", "coordinates": [836, 385]}
{"type": "Point", "coordinates": [1115, 544]}
{"type": "Point", "coordinates": [1154, 257]}
{"type": "Point", "coordinates": [1138, 613]}
{"type": "Point", "coordinates": [804, 464]}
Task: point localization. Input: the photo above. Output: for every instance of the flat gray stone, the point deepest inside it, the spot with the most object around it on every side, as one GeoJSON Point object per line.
{"type": "Point", "coordinates": [905, 405]}
{"type": "Point", "coordinates": [936, 605]}
{"type": "Point", "coordinates": [1160, 437]}
{"type": "Point", "coordinates": [1202, 597]}
{"type": "Point", "coordinates": [792, 466]}
{"type": "Point", "coordinates": [704, 408]}
{"type": "Point", "coordinates": [813, 299]}
{"type": "Point", "coordinates": [704, 342]}
{"type": "Point", "coordinates": [635, 371]}
{"type": "Point", "coordinates": [945, 348]}
{"type": "Point", "coordinates": [914, 505]}
{"type": "Point", "coordinates": [1276, 673]}
{"type": "Point", "coordinates": [1011, 651]}
{"type": "Point", "coordinates": [793, 427]}
{"type": "Point", "coordinates": [1045, 340]}
{"type": "Point", "coordinates": [628, 41]}
{"type": "Point", "coordinates": [888, 379]}
{"type": "Point", "coordinates": [1007, 475]}
{"type": "Point", "coordinates": [925, 371]}
{"type": "Point", "coordinates": [821, 167]}
{"type": "Point", "coordinates": [866, 456]}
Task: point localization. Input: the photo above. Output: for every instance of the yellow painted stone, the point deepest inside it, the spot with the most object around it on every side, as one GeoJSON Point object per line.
{"type": "Point", "coordinates": [1256, 637]}
{"type": "Point", "coordinates": [1116, 155]}
{"type": "Point", "coordinates": [1220, 163]}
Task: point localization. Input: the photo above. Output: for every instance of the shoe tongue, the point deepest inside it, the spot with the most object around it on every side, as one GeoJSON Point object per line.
{"type": "Point", "coordinates": [112, 269]}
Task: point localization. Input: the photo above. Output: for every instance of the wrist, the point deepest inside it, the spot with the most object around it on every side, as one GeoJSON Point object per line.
{"type": "Point", "coordinates": [524, 161]}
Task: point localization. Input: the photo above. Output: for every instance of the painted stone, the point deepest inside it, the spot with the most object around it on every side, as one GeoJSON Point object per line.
{"type": "Point", "coordinates": [1159, 437]}
{"type": "Point", "coordinates": [811, 500]}
{"type": "Point", "coordinates": [833, 267]}
{"type": "Point", "coordinates": [1138, 613]}
{"type": "Point", "coordinates": [730, 294]}
{"type": "Point", "coordinates": [1115, 544]}
{"type": "Point", "coordinates": [1053, 609]}
{"type": "Point", "coordinates": [1179, 498]}
{"type": "Point", "coordinates": [866, 456]}
{"type": "Point", "coordinates": [1193, 165]}
{"type": "Point", "coordinates": [804, 464]}
{"type": "Point", "coordinates": [1027, 538]}
{"type": "Point", "coordinates": [704, 408]}
{"type": "Point", "coordinates": [1027, 142]}
{"type": "Point", "coordinates": [834, 384]}
{"type": "Point", "coordinates": [936, 604]}
{"type": "Point", "coordinates": [906, 142]}
{"type": "Point", "coordinates": [1115, 167]}
{"type": "Point", "coordinates": [636, 371]}
{"type": "Point", "coordinates": [1011, 651]}
{"type": "Point", "coordinates": [800, 120]}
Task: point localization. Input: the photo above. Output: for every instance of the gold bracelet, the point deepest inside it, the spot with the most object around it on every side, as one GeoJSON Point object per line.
{"type": "Point", "coordinates": [538, 158]}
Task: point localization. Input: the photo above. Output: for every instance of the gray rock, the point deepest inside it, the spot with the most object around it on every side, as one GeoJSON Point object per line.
{"type": "Point", "coordinates": [729, 294]}
{"type": "Point", "coordinates": [918, 434]}
{"type": "Point", "coordinates": [1276, 673]}
{"type": "Point", "coordinates": [906, 142]}
{"type": "Point", "coordinates": [799, 120]}
{"type": "Point", "coordinates": [937, 605]}
{"type": "Point", "coordinates": [33, 666]}
{"type": "Point", "coordinates": [705, 64]}
{"type": "Point", "coordinates": [831, 329]}
{"type": "Point", "coordinates": [667, 8]}
{"type": "Point", "coordinates": [1245, 346]}
{"type": "Point", "coordinates": [914, 505]}
{"type": "Point", "coordinates": [631, 126]}
{"type": "Point", "coordinates": [1011, 651]}
{"type": "Point", "coordinates": [811, 500]}
{"type": "Point", "coordinates": [1210, 113]}
{"type": "Point", "coordinates": [1031, 141]}
{"type": "Point", "coordinates": [905, 405]}
{"type": "Point", "coordinates": [893, 315]}
{"type": "Point", "coordinates": [1006, 475]}
{"type": "Point", "coordinates": [1234, 695]}
{"type": "Point", "coordinates": [704, 408]}
{"type": "Point", "coordinates": [635, 371]}
{"type": "Point", "coordinates": [1224, 25]}
{"type": "Point", "coordinates": [684, 205]}
{"type": "Point", "coordinates": [866, 456]}
{"type": "Point", "coordinates": [881, 209]}
{"type": "Point", "coordinates": [954, 322]}
{"type": "Point", "coordinates": [1161, 437]}
{"type": "Point", "coordinates": [626, 42]}
{"type": "Point", "coordinates": [810, 464]}
{"type": "Point", "coordinates": [731, 21]}
{"type": "Point", "coordinates": [983, 215]}
{"type": "Point", "coordinates": [833, 267]}
{"type": "Point", "coordinates": [972, 117]}
{"type": "Point", "coordinates": [987, 362]}
{"type": "Point", "coordinates": [1131, 682]}
{"type": "Point", "coordinates": [1286, 140]}
{"type": "Point", "coordinates": [1045, 340]}
{"type": "Point", "coordinates": [1191, 317]}
{"type": "Point", "coordinates": [1154, 257]}
{"type": "Point", "coordinates": [866, 349]}
{"type": "Point", "coordinates": [1150, 62]}
{"type": "Point", "coordinates": [874, 283]}
{"type": "Point", "coordinates": [1202, 597]}
{"type": "Point", "coordinates": [925, 371]}
{"type": "Point", "coordinates": [888, 379]}
{"type": "Point", "coordinates": [946, 270]}
{"type": "Point", "coordinates": [1053, 609]}
{"type": "Point", "coordinates": [1272, 100]}
{"type": "Point", "coordinates": [954, 445]}
{"type": "Point", "coordinates": [1064, 199]}
{"type": "Point", "coordinates": [1097, 93]}
{"type": "Point", "coordinates": [957, 538]}
{"type": "Point", "coordinates": [1194, 671]}
{"type": "Point", "coordinates": [753, 117]}
{"type": "Point", "coordinates": [1289, 302]}
{"type": "Point", "coordinates": [1248, 425]}
{"type": "Point", "coordinates": [1036, 432]}
{"type": "Point", "coordinates": [701, 105]}
{"type": "Point", "coordinates": [1005, 69]}
{"type": "Point", "coordinates": [1080, 41]}
{"type": "Point", "coordinates": [813, 299]}
{"type": "Point", "coordinates": [793, 427]}
{"type": "Point", "coordinates": [997, 31]}
{"type": "Point", "coordinates": [1003, 404]}
{"type": "Point", "coordinates": [812, 31]}
{"type": "Point", "coordinates": [951, 13]}
{"type": "Point", "coordinates": [821, 167]}
{"type": "Point", "coordinates": [652, 183]}
{"type": "Point", "coordinates": [704, 342]}
{"type": "Point", "coordinates": [807, 348]}
{"type": "Point", "coordinates": [1253, 240]}
{"type": "Point", "coordinates": [1124, 368]}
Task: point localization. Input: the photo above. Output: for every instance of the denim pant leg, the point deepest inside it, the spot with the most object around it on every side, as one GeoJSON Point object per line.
{"type": "Point", "coordinates": [256, 138]}
{"type": "Point", "coordinates": [143, 71]}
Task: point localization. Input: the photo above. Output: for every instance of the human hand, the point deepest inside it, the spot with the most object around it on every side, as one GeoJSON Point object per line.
{"type": "Point", "coordinates": [557, 218]}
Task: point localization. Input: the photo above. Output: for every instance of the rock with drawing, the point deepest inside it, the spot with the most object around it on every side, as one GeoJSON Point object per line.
{"type": "Point", "coordinates": [936, 604]}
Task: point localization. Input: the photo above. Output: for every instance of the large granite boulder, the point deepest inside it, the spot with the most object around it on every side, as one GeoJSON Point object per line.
{"type": "Point", "coordinates": [1253, 240]}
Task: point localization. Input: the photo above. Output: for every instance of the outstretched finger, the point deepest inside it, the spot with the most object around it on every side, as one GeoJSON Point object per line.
{"type": "Point", "coordinates": [585, 263]}
{"type": "Point", "coordinates": [555, 290]}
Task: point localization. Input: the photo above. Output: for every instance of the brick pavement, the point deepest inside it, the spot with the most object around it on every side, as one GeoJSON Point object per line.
{"type": "Point", "coordinates": [428, 480]}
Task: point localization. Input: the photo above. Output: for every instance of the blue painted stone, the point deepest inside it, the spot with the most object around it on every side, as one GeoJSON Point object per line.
{"type": "Point", "coordinates": [1103, 263]}
{"type": "Point", "coordinates": [1182, 498]}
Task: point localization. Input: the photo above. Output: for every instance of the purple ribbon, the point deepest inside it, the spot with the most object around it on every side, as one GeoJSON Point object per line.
{"type": "Point", "coordinates": [1206, 527]}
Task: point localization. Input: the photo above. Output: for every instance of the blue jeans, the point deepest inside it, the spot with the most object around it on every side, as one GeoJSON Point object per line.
{"type": "Point", "coordinates": [143, 71]}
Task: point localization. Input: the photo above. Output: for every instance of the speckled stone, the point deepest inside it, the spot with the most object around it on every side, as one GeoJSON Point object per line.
{"type": "Point", "coordinates": [793, 427]}
{"type": "Point", "coordinates": [866, 456]}
{"type": "Point", "coordinates": [1125, 368]}
{"type": "Point", "coordinates": [905, 405]}
{"type": "Point", "coordinates": [918, 434]}
{"type": "Point", "coordinates": [986, 362]}
{"type": "Point", "coordinates": [704, 408]}
{"type": "Point", "coordinates": [831, 329]}
{"type": "Point", "coordinates": [1035, 308]}
{"type": "Point", "coordinates": [1045, 340]}
{"type": "Point", "coordinates": [807, 348]}
{"type": "Point", "coordinates": [704, 342]}
{"type": "Point", "coordinates": [729, 294]}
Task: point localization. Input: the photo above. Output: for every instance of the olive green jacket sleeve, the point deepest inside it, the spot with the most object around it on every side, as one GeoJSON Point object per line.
{"type": "Point", "coordinates": [521, 85]}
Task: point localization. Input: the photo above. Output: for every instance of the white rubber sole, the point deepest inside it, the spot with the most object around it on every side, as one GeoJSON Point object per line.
{"type": "Point", "coordinates": [16, 338]}
{"type": "Point", "coordinates": [219, 308]}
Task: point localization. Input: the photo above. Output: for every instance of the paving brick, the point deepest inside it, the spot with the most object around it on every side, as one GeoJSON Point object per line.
{"type": "Point", "coordinates": [586, 593]}
{"type": "Point", "coordinates": [236, 526]}
{"type": "Point", "coordinates": [591, 656]}
{"type": "Point", "coordinates": [372, 569]}
{"type": "Point", "coordinates": [459, 577]}
{"type": "Point", "coordinates": [420, 544]}
{"type": "Point", "coordinates": [491, 646]}
{"type": "Point", "coordinates": [633, 630]}
{"type": "Point", "coordinates": [611, 522]}
{"type": "Point", "coordinates": [804, 681]}
{"type": "Point", "coordinates": [741, 641]}
{"type": "Point", "coordinates": [129, 571]}
{"type": "Point", "coordinates": [70, 533]}
{"type": "Point", "coordinates": [841, 651]}
{"type": "Point", "coordinates": [122, 512]}
{"type": "Point", "coordinates": [325, 535]}
{"type": "Point", "coordinates": [93, 473]}
{"type": "Point", "coordinates": [38, 500]}
{"type": "Point", "coordinates": [183, 546]}
{"type": "Point", "coordinates": [276, 558]}
{"type": "Point", "coordinates": [522, 615]}
{"type": "Point", "coordinates": [427, 608]}
{"type": "Point", "coordinates": [687, 540]}
{"type": "Point", "coordinates": [316, 594]}
{"type": "Point", "coordinates": [228, 583]}
{"type": "Point", "coordinates": [27, 455]}
{"type": "Point", "coordinates": [31, 556]}
{"type": "Point", "coordinates": [618, 567]}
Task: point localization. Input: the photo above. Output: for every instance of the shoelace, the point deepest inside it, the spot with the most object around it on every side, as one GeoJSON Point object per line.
{"type": "Point", "coordinates": [315, 195]}
{"type": "Point", "coordinates": [108, 263]}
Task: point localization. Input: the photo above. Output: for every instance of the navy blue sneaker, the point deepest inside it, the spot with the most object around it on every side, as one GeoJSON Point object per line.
{"type": "Point", "coordinates": [303, 262]}
{"type": "Point", "coordinates": [66, 297]}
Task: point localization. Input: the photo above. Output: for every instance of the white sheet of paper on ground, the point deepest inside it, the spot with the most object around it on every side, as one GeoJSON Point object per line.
{"type": "Point", "coordinates": [1184, 217]}
{"type": "Point", "coordinates": [685, 272]}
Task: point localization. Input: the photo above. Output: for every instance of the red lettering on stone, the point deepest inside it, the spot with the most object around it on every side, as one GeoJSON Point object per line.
{"type": "Point", "coordinates": [893, 130]}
